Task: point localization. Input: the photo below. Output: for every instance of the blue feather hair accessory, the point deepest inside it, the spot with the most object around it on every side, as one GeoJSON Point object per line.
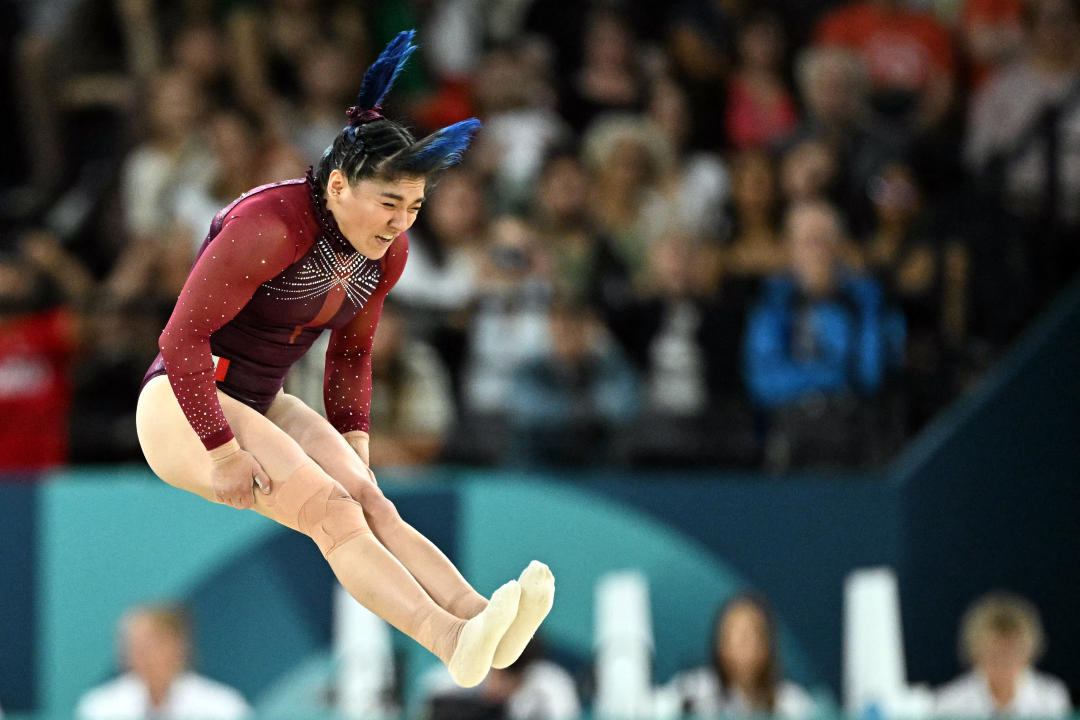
{"type": "Point", "coordinates": [440, 149]}
{"type": "Point", "coordinates": [380, 77]}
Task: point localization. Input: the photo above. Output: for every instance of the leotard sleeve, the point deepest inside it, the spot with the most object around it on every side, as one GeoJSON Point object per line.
{"type": "Point", "coordinates": [253, 246]}
{"type": "Point", "coordinates": [347, 380]}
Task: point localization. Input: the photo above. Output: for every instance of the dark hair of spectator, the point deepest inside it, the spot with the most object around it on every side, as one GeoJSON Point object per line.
{"type": "Point", "coordinates": [767, 678]}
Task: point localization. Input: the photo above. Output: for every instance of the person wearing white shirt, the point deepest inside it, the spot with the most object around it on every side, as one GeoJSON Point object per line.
{"type": "Point", "coordinates": [158, 684]}
{"type": "Point", "coordinates": [1001, 637]}
{"type": "Point", "coordinates": [745, 679]}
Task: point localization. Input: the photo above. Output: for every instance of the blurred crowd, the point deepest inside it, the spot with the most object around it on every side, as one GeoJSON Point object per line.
{"type": "Point", "coordinates": [1000, 640]}
{"type": "Point", "coordinates": [769, 234]}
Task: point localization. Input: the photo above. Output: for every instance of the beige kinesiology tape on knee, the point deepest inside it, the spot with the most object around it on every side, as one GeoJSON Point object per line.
{"type": "Point", "coordinates": [311, 502]}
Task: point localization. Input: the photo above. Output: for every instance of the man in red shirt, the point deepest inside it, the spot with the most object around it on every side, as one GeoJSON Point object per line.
{"type": "Point", "coordinates": [35, 389]}
{"type": "Point", "coordinates": [907, 52]}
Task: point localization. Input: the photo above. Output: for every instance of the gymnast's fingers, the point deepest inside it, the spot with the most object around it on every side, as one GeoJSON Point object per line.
{"type": "Point", "coordinates": [261, 478]}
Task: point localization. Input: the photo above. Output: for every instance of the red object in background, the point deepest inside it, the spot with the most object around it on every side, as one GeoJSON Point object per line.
{"type": "Point", "coordinates": [753, 121]}
{"type": "Point", "coordinates": [452, 103]}
{"type": "Point", "coordinates": [1001, 14]}
{"type": "Point", "coordinates": [35, 389]}
{"type": "Point", "coordinates": [902, 48]}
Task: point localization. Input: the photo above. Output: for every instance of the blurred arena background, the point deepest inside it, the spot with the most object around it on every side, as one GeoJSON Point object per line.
{"type": "Point", "coordinates": [728, 296]}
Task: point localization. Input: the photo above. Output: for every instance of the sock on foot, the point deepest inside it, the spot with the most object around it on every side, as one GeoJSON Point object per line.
{"type": "Point", "coordinates": [476, 645]}
{"type": "Point", "coordinates": [537, 595]}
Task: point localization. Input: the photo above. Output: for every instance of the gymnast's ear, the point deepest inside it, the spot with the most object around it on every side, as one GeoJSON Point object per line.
{"type": "Point", "coordinates": [336, 182]}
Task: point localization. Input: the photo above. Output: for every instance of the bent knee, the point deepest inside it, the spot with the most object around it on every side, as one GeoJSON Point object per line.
{"type": "Point", "coordinates": [322, 509]}
{"type": "Point", "coordinates": [378, 507]}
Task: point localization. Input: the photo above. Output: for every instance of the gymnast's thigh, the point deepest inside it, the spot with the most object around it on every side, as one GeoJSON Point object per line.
{"type": "Point", "coordinates": [176, 455]}
{"type": "Point", "coordinates": [322, 443]}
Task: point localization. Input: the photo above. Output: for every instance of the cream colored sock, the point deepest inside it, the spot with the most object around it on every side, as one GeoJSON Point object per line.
{"type": "Point", "coordinates": [476, 645]}
{"type": "Point", "coordinates": [537, 596]}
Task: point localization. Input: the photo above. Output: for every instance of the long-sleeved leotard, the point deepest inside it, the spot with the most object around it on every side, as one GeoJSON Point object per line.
{"type": "Point", "coordinates": [272, 274]}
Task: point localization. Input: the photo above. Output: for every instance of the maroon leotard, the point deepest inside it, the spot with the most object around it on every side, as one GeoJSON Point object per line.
{"type": "Point", "coordinates": [272, 274]}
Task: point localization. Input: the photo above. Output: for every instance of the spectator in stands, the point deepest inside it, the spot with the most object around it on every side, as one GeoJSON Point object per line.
{"type": "Point", "coordinates": [1023, 145]}
{"type": "Point", "coordinates": [681, 328]}
{"type": "Point", "coordinates": [412, 398]}
{"type": "Point", "coordinates": [609, 79]}
{"type": "Point", "coordinates": [760, 109]}
{"type": "Point", "coordinates": [507, 327]}
{"type": "Point", "coordinates": [744, 678]}
{"type": "Point", "coordinates": [566, 402]}
{"type": "Point", "coordinates": [156, 646]}
{"type": "Point", "coordinates": [908, 54]}
{"type": "Point", "coordinates": [834, 85]}
{"type": "Point", "coordinates": [699, 179]}
{"type": "Point", "coordinates": [992, 35]}
{"type": "Point", "coordinates": [1000, 638]}
{"type": "Point", "coordinates": [756, 249]}
{"type": "Point", "coordinates": [699, 47]}
{"type": "Point", "coordinates": [514, 94]}
{"type": "Point", "coordinates": [447, 249]}
{"type": "Point", "coordinates": [326, 86]}
{"type": "Point", "coordinates": [38, 339]}
{"type": "Point", "coordinates": [808, 171]}
{"type": "Point", "coordinates": [157, 257]}
{"type": "Point", "coordinates": [817, 348]}
{"type": "Point", "coordinates": [927, 278]}
{"type": "Point", "coordinates": [629, 161]}
{"type": "Point", "coordinates": [560, 215]}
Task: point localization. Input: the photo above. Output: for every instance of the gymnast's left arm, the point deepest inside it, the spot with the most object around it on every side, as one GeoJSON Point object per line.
{"type": "Point", "coordinates": [347, 379]}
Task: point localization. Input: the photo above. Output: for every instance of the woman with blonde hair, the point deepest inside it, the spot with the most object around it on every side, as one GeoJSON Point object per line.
{"type": "Point", "coordinates": [1000, 638]}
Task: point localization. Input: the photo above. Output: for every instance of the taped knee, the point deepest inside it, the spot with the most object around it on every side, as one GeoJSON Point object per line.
{"type": "Point", "coordinates": [324, 511]}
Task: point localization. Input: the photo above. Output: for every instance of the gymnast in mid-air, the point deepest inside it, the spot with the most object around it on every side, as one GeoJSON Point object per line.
{"type": "Point", "coordinates": [281, 264]}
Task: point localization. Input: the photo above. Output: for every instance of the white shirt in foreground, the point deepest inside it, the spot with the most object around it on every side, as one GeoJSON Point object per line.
{"type": "Point", "coordinates": [1038, 695]}
{"type": "Point", "coordinates": [698, 692]}
{"type": "Point", "coordinates": [191, 697]}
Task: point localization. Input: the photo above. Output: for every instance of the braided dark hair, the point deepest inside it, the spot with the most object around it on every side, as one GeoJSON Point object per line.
{"type": "Point", "coordinates": [373, 146]}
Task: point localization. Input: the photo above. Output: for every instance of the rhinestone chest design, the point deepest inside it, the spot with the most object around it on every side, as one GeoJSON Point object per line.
{"type": "Point", "coordinates": [326, 270]}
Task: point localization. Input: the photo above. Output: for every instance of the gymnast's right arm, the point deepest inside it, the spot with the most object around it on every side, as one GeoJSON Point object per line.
{"type": "Point", "coordinates": [250, 249]}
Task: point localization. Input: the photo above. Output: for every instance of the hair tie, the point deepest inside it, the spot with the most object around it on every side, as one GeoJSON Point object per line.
{"type": "Point", "coordinates": [359, 116]}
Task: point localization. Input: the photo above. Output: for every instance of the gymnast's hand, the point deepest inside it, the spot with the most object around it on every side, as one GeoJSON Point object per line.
{"type": "Point", "coordinates": [233, 473]}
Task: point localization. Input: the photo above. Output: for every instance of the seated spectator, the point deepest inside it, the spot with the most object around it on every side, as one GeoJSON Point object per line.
{"type": "Point", "coordinates": [560, 215]}
{"type": "Point", "coordinates": [156, 646]}
{"type": "Point", "coordinates": [37, 342]}
{"type": "Point", "coordinates": [1000, 638]}
{"type": "Point", "coordinates": [992, 35]}
{"type": "Point", "coordinates": [756, 249]}
{"type": "Point", "coordinates": [629, 160]}
{"type": "Point", "coordinates": [699, 180]}
{"type": "Point", "coordinates": [808, 171]}
{"type": "Point", "coordinates": [744, 678]}
{"type": "Point", "coordinates": [817, 348]}
{"type": "Point", "coordinates": [174, 155]}
{"type": "Point", "coordinates": [514, 95]}
{"type": "Point", "coordinates": [608, 79]}
{"type": "Point", "coordinates": [447, 248]}
{"type": "Point", "coordinates": [533, 688]}
{"type": "Point", "coordinates": [1023, 145]}
{"type": "Point", "coordinates": [682, 328]}
{"type": "Point", "coordinates": [565, 403]}
{"type": "Point", "coordinates": [508, 326]}
{"type": "Point", "coordinates": [927, 278]}
{"type": "Point", "coordinates": [834, 85]}
{"type": "Point", "coordinates": [411, 398]}
{"type": "Point", "coordinates": [907, 52]}
{"type": "Point", "coordinates": [760, 109]}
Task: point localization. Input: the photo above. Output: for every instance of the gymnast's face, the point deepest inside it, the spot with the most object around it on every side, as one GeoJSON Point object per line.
{"type": "Point", "coordinates": [372, 213]}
